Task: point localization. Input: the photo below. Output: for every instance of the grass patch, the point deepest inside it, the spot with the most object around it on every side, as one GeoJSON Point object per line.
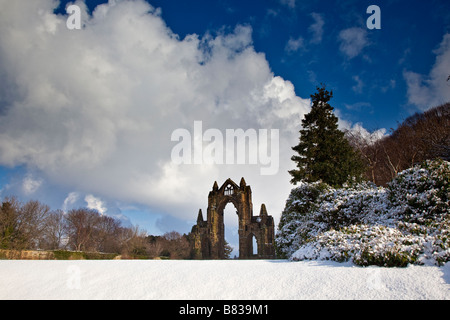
{"type": "Point", "coordinates": [76, 255]}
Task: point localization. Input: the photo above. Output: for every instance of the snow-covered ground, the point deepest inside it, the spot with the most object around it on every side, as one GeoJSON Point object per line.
{"type": "Point", "coordinates": [218, 280]}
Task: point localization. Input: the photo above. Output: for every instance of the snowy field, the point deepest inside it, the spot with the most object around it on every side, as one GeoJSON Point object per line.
{"type": "Point", "coordinates": [218, 280]}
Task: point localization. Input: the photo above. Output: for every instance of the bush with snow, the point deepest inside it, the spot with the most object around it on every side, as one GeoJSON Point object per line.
{"type": "Point", "coordinates": [405, 223]}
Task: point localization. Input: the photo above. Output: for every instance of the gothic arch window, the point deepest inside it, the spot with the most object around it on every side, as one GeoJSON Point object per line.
{"type": "Point", "coordinates": [229, 190]}
{"type": "Point", "coordinates": [254, 245]}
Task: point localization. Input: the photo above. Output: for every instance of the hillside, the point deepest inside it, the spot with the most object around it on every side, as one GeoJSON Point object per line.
{"type": "Point", "coordinates": [420, 137]}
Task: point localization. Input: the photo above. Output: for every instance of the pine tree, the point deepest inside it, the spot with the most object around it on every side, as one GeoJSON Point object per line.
{"type": "Point", "coordinates": [323, 151]}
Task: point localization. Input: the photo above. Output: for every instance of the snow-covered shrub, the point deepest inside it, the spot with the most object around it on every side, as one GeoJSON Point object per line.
{"type": "Point", "coordinates": [302, 201]}
{"type": "Point", "coordinates": [421, 193]}
{"type": "Point", "coordinates": [407, 222]}
{"type": "Point", "coordinates": [314, 208]}
{"type": "Point", "coordinates": [365, 245]}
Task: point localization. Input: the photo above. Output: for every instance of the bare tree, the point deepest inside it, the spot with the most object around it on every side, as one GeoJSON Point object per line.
{"type": "Point", "coordinates": [106, 234]}
{"type": "Point", "coordinates": [370, 148]}
{"type": "Point", "coordinates": [55, 231]}
{"type": "Point", "coordinates": [155, 247]}
{"type": "Point", "coordinates": [176, 245]}
{"type": "Point", "coordinates": [21, 225]}
{"type": "Point", "coordinates": [420, 137]}
{"type": "Point", "coordinates": [81, 224]}
{"type": "Point", "coordinates": [31, 222]}
{"type": "Point", "coordinates": [134, 241]}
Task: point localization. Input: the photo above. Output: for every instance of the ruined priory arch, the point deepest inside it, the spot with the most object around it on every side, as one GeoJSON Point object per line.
{"type": "Point", "coordinates": [209, 236]}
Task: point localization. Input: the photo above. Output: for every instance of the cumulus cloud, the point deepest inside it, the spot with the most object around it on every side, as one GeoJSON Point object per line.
{"type": "Point", "coordinates": [352, 41]}
{"type": "Point", "coordinates": [431, 90]}
{"type": "Point", "coordinates": [95, 204]}
{"type": "Point", "coordinates": [93, 110]}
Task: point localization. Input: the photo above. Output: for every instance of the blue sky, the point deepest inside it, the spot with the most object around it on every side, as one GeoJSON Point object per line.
{"type": "Point", "coordinates": [86, 115]}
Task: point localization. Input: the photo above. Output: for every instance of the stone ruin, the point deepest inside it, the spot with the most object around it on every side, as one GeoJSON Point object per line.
{"type": "Point", "coordinates": [208, 236]}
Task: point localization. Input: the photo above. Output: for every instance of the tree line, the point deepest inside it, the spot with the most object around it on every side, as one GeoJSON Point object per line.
{"type": "Point", "coordinates": [423, 136]}
{"type": "Point", "coordinates": [33, 225]}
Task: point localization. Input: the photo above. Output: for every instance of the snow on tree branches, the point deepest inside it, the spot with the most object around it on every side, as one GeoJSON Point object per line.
{"type": "Point", "coordinates": [405, 223]}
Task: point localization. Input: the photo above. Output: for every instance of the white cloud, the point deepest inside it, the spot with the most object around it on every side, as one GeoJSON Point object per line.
{"type": "Point", "coordinates": [289, 3]}
{"type": "Point", "coordinates": [94, 109]}
{"type": "Point", "coordinates": [95, 204]}
{"type": "Point", "coordinates": [358, 106]}
{"type": "Point", "coordinates": [69, 201]}
{"type": "Point", "coordinates": [316, 29]}
{"type": "Point", "coordinates": [357, 88]}
{"type": "Point", "coordinates": [352, 41]}
{"type": "Point", "coordinates": [30, 184]}
{"type": "Point", "coordinates": [389, 86]}
{"type": "Point", "coordinates": [432, 90]}
{"type": "Point", "coordinates": [293, 45]}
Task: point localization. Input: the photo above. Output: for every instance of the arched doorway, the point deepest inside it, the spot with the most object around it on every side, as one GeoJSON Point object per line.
{"type": "Point", "coordinates": [231, 229]}
{"type": "Point", "coordinates": [227, 212]}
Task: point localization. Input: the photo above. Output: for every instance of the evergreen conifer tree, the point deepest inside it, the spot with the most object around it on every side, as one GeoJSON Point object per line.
{"type": "Point", "coordinates": [228, 250]}
{"type": "Point", "coordinates": [323, 151]}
